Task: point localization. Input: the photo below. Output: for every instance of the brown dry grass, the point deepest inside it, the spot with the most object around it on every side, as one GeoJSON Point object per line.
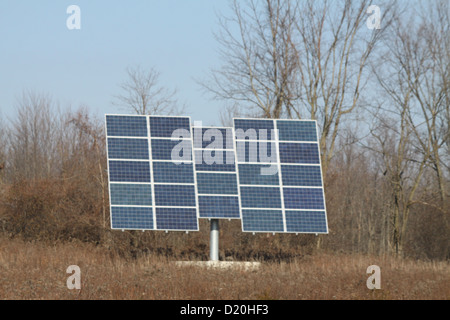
{"type": "Point", "coordinates": [38, 271]}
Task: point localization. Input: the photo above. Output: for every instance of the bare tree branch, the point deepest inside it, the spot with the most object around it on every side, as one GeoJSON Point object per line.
{"type": "Point", "coordinates": [142, 93]}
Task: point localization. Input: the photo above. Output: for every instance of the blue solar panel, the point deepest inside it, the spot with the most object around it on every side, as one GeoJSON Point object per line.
{"type": "Point", "coordinates": [260, 197]}
{"type": "Point", "coordinates": [303, 198]}
{"type": "Point", "coordinates": [129, 171]}
{"type": "Point", "coordinates": [126, 126]}
{"type": "Point", "coordinates": [132, 218]}
{"type": "Point", "coordinates": [214, 160]}
{"type": "Point", "coordinates": [216, 183]}
{"type": "Point", "coordinates": [218, 194]}
{"type": "Point", "coordinates": [205, 161]}
{"type": "Point", "coordinates": [151, 173]}
{"type": "Point", "coordinates": [252, 174]}
{"type": "Point", "coordinates": [306, 221]}
{"type": "Point", "coordinates": [300, 153]}
{"type": "Point", "coordinates": [248, 129]}
{"type": "Point", "coordinates": [164, 149]}
{"type": "Point", "coordinates": [298, 175]}
{"type": "Point", "coordinates": [280, 182]}
{"type": "Point", "coordinates": [297, 130]}
{"type": "Point", "coordinates": [131, 194]}
{"type": "Point", "coordinates": [166, 127]}
{"type": "Point", "coordinates": [254, 151]}
{"type": "Point", "coordinates": [262, 220]}
{"type": "Point", "coordinates": [164, 175]}
{"type": "Point", "coordinates": [214, 138]}
{"type": "Point", "coordinates": [176, 218]}
{"type": "Point", "coordinates": [128, 148]}
{"type": "Point", "coordinates": [169, 172]}
{"type": "Point", "coordinates": [174, 195]}
{"type": "Point", "coordinates": [218, 206]}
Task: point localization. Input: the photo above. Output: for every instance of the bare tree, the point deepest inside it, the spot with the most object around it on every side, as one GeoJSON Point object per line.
{"type": "Point", "coordinates": [297, 59]}
{"type": "Point", "coordinates": [431, 87]}
{"type": "Point", "coordinates": [333, 51]}
{"type": "Point", "coordinates": [418, 64]}
{"type": "Point", "coordinates": [34, 135]}
{"type": "Point", "coordinates": [90, 148]}
{"type": "Point", "coordinates": [143, 94]}
{"type": "Point", "coordinates": [402, 167]}
{"type": "Point", "coordinates": [258, 70]}
{"type": "Point", "coordinates": [410, 127]}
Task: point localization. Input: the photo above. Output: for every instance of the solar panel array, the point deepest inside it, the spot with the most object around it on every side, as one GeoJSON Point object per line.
{"type": "Point", "coordinates": [279, 176]}
{"type": "Point", "coordinates": [216, 173]}
{"type": "Point", "coordinates": [151, 173]}
{"type": "Point", "coordinates": [165, 174]}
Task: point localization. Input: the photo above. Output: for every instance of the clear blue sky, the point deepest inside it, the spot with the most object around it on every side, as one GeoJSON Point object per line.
{"type": "Point", "coordinates": [38, 52]}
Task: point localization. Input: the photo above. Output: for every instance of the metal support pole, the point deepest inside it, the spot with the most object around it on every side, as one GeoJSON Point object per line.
{"type": "Point", "coordinates": [214, 240]}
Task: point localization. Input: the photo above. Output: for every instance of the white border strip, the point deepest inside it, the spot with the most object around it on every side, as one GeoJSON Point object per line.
{"type": "Point", "coordinates": [280, 178]}
{"type": "Point", "coordinates": [150, 157]}
{"type": "Point", "coordinates": [194, 172]}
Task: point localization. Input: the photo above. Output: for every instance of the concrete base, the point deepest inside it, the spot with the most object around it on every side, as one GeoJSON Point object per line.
{"type": "Point", "coordinates": [247, 266]}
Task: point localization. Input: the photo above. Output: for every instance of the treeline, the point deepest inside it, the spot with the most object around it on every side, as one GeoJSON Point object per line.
{"type": "Point", "coordinates": [54, 187]}
{"type": "Point", "coordinates": [380, 97]}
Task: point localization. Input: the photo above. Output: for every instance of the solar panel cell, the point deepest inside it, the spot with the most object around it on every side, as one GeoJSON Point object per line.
{"type": "Point", "coordinates": [216, 183]}
{"type": "Point", "coordinates": [263, 220]}
{"type": "Point", "coordinates": [165, 127]}
{"type": "Point", "coordinates": [213, 138]}
{"type": "Point", "coordinates": [252, 174]}
{"type": "Point", "coordinates": [128, 148]}
{"type": "Point", "coordinates": [303, 198]}
{"type": "Point", "coordinates": [254, 151]}
{"type": "Point", "coordinates": [170, 172]}
{"type": "Point", "coordinates": [205, 162]}
{"type": "Point", "coordinates": [301, 153]}
{"type": "Point", "coordinates": [249, 129]}
{"type": "Point", "coordinates": [294, 175]}
{"type": "Point", "coordinates": [296, 130]}
{"type": "Point", "coordinates": [131, 194]}
{"type": "Point", "coordinates": [164, 149]}
{"type": "Point", "coordinates": [126, 126]}
{"type": "Point", "coordinates": [129, 171]}
{"type": "Point", "coordinates": [218, 206]}
{"type": "Point", "coordinates": [132, 218]}
{"type": "Point", "coordinates": [306, 221]}
{"type": "Point", "coordinates": [175, 195]}
{"type": "Point", "coordinates": [176, 219]}
{"type": "Point", "coordinates": [260, 197]}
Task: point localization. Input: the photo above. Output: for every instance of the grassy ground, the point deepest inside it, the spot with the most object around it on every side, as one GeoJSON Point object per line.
{"type": "Point", "coordinates": [38, 271]}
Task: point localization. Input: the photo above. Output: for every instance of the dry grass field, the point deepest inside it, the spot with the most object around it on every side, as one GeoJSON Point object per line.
{"type": "Point", "coordinates": [38, 271]}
